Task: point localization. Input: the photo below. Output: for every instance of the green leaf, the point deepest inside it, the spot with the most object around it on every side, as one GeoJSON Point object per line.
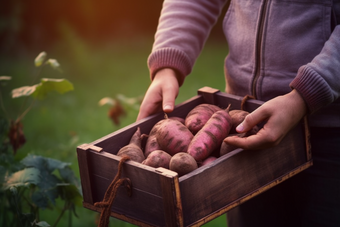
{"type": "Point", "coordinates": [47, 85]}
{"type": "Point", "coordinates": [42, 89]}
{"type": "Point", "coordinates": [43, 163]}
{"type": "Point", "coordinates": [23, 91]}
{"type": "Point", "coordinates": [71, 193]}
{"type": "Point", "coordinates": [42, 224]}
{"type": "Point", "coordinates": [68, 176]}
{"type": "Point", "coordinates": [107, 101]}
{"type": "Point", "coordinates": [40, 199]}
{"type": "Point", "coordinates": [54, 64]}
{"type": "Point", "coordinates": [24, 177]}
{"type": "Point", "coordinates": [40, 59]}
{"type": "Point", "coordinates": [5, 78]}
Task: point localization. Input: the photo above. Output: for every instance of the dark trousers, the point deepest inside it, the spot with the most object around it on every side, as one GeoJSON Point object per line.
{"type": "Point", "coordinates": [311, 198]}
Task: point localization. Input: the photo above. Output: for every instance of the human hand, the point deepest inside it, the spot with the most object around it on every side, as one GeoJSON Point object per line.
{"type": "Point", "coordinates": [161, 94]}
{"type": "Point", "coordinates": [281, 115]}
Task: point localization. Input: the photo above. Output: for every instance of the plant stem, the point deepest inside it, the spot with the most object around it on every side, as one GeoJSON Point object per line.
{"type": "Point", "coordinates": [3, 107]}
{"type": "Point", "coordinates": [66, 206]}
{"type": "Point", "coordinates": [25, 112]}
{"type": "Point", "coordinates": [17, 208]}
{"type": "Point", "coordinates": [37, 74]}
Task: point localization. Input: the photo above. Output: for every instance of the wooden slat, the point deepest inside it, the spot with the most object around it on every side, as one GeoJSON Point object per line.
{"type": "Point", "coordinates": [224, 100]}
{"type": "Point", "coordinates": [307, 139]}
{"type": "Point", "coordinates": [84, 171]}
{"type": "Point", "coordinates": [171, 196]}
{"type": "Point", "coordinates": [252, 194]}
{"type": "Point", "coordinates": [208, 94]}
{"type": "Point", "coordinates": [236, 174]}
{"type": "Point", "coordinates": [119, 216]}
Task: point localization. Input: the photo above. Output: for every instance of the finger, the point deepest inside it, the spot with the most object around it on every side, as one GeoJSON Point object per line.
{"type": "Point", "coordinates": [169, 96]}
{"type": "Point", "coordinates": [150, 104]}
{"type": "Point", "coordinates": [253, 142]}
{"type": "Point", "coordinates": [252, 119]}
{"type": "Point", "coordinates": [148, 109]}
{"type": "Point", "coordinates": [266, 137]}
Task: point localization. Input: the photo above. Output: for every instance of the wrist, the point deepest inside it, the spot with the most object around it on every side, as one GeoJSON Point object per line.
{"type": "Point", "coordinates": [166, 74]}
{"type": "Point", "coordinates": [298, 102]}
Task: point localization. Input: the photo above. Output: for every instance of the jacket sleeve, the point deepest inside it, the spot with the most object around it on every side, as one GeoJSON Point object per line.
{"type": "Point", "coordinates": [183, 28]}
{"type": "Point", "coordinates": [319, 81]}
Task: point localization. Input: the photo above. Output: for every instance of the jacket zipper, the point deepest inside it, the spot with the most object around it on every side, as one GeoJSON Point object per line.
{"type": "Point", "coordinates": [259, 47]}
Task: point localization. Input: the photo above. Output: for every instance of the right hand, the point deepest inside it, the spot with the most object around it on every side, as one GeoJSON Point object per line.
{"type": "Point", "coordinates": [161, 94]}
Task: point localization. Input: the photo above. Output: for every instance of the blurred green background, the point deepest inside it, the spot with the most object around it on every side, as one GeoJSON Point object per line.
{"type": "Point", "coordinates": [102, 47]}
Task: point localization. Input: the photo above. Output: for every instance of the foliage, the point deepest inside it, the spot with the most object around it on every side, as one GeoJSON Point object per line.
{"type": "Point", "coordinates": [35, 182]}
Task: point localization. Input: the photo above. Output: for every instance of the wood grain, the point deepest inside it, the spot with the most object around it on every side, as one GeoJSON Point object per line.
{"type": "Point", "coordinates": [160, 198]}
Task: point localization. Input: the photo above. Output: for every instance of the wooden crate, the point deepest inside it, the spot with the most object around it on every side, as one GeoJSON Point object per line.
{"type": "Point", "coordinates": [161, 198]}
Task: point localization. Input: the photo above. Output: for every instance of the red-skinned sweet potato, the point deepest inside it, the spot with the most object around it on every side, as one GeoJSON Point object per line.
{"type": "Point", "coordinates": [182, 120]}
{"type": "Point", "coordinates": [237, 117]}
{"type": "Point", "coordinates": [211, 135]}
{"type": "Point", "coordinates": [158, 158]}
{"type": "Point", "coordinates": [133, 149]}
{"type": "Point", "coordinates": [199, 115]}
{"type": "Point", "coordinates": [151, 142]}
{"type": "Point", "coordinates": [208, 160]}
{"type": "Point", "coordinates": [182, 163]}
{"type": "Point", "coordinates": [173, 137]}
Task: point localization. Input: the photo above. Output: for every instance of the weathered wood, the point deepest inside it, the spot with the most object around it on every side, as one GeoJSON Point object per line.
{"type": "Point", "coordinates": [84, 172]}
{"type": "Point", "coordinates": [160, 198]}
{"type": "Point", "coordinates": [208, 94]}
{"type": "Point", "coordinates": [118, 216]}
{"type": "Point", "coordinates": [237, 174]}
{"type": "Point", "coordinates": [171, 197]}
{"type": "Point", "coordinates": [145, 203]}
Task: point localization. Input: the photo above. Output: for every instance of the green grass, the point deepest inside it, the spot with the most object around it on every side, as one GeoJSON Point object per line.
{"type": "Point", "coordinates": [56, 126]}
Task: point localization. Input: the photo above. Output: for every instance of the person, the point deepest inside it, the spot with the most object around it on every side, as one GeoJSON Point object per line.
{"type": "Point", "coordinates": [285, 53]}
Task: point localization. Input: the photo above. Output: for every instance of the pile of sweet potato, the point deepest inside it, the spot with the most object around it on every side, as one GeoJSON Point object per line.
{"type": "Point", "coordinates": [183, 145]}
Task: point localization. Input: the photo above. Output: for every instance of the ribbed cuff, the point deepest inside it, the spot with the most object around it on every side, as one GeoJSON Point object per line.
{"type": "Point", "coordinates": [313, 88]}
{"type": "Point", "coordinates": [170, 58]}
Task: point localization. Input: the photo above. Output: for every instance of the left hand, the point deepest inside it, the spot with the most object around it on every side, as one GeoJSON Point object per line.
{"type": "Point", "coordinates": [281, 115]}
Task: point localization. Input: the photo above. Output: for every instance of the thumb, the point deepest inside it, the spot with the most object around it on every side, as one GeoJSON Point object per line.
{"type": "Point", "coordinates": [250, 121]}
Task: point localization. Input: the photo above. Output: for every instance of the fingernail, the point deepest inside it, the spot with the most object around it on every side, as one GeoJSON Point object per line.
{"type": "Point", "coordinates": [240, 128]}
{"type": "Point", "coordinates": [167, 107]}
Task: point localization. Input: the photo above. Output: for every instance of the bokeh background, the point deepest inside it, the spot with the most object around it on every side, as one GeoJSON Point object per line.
{"type": "Point", "coordinates": [102, 47]}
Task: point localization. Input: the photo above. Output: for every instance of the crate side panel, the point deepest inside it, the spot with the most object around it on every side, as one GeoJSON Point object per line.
{"type": "Point", "coordinates": [141, 205]}
{"type": "Point", "coordinates": [237, 174]}
{"type": "Point", "coordinates": [105, 165]}
{"type": "Point", "coordinates": [145, 203]}
{"type": "Point", "coordinates": [224, 100]}
{"type": "Point", "coordinates": [84, 171]}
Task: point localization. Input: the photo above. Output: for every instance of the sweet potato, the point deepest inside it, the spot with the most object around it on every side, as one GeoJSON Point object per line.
{"type": "Point", "coordinates": [133, 149]}
{"type": "Point", "coordinates": [182, 163]}
{"type": "Point", "coordinates": [199, 115]}
{"type": "Point", "coordinates": [182, 120]}
{"type": "Point", "coordinates": [158, 158]}
{"type": "Point", "coordinates": [226, 148]}
{"type": "Point", "coordinates": [151, 142]}
{"type": "Point", "coordinates": [237, 117]}
{"type": "Point", "coordinates": [211, 135]}
{"type": "Point", "coordinates": [173, 137]}
{"type": "Point", "coordinates": [208, 160]}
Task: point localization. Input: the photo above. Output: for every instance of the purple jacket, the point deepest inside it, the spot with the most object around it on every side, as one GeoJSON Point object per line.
{"type": "Point", "coordinates": [274, 46]}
